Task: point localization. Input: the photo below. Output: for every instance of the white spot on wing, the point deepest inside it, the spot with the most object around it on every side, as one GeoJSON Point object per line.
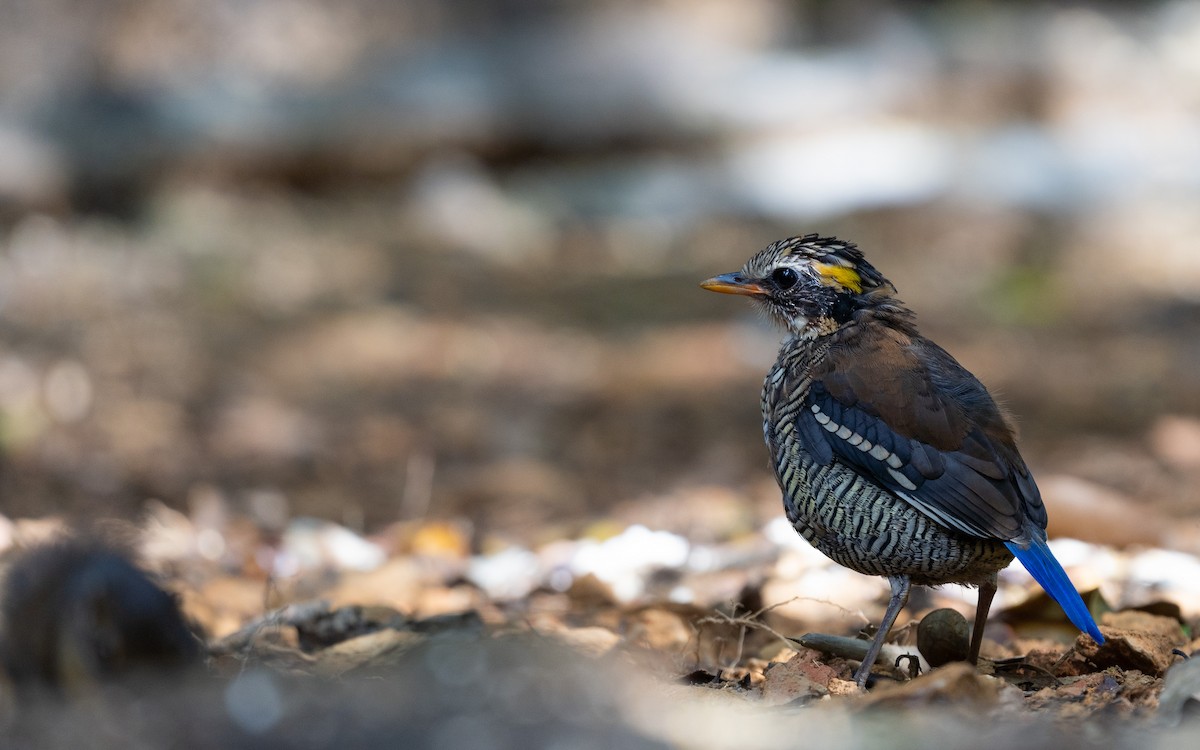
{"type": "Point", "coordinates": [843, 432]}
{"type": "Point", "coordinates": [894, 461]}
{"type": "Point", "coordinates": [879, 452]}
{"type": "Point", "coordinates": [855, 439]}
{"type": "Point", "coordinates": [902, 480]}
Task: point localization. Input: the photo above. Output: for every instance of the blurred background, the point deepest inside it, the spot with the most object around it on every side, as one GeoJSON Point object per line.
{"type": "Point", "coordinates": [380, 263]}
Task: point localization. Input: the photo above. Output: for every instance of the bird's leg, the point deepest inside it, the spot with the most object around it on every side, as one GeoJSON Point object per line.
{"type": "Point", "coordinates": [900, 587]}
{"type": "Point", "coordinates": [986, 592]}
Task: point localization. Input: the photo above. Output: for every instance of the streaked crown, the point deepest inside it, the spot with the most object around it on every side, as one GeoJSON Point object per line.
{"type": "Point", "coordinates": [837, 263]}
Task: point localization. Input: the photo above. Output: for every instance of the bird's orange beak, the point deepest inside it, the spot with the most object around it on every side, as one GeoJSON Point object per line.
{"type": "Point", "coordinates": [733, 283]}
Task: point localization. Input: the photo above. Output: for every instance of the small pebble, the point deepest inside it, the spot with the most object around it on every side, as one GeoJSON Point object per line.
{"type": "Point", "coordinates": [943, 636]}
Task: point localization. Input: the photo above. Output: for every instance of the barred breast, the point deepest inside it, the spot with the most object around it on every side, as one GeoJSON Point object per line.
{"type": "Point", "coordinates": [864, 527]}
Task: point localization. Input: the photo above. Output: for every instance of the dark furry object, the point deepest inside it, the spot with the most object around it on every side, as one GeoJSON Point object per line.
{"type": "Point", "coordinates": [75, 613]}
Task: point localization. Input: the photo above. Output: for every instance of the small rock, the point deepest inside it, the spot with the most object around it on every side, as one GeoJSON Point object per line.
{"type": "Point", "coordinates": [801, 677]}
{"type": "Point", "coordinates": [809, 661]}
{"type": "Point", "coordinates": [1134, 640]}
{"type": "Point", "coordinates": [376, 650]}
{"type": "Point", "coordinates": [943, 636]}
{"type": "Point", "coordinates": [788, 682]}
{"type": "Point", "coordinates": [838, 686]}
{"type": "Point", "coordinates": [1111, 690]}
{"type": "Point", "coordinates": [957, 683]}
{"type": "Point", "coordinates": [592, 641]}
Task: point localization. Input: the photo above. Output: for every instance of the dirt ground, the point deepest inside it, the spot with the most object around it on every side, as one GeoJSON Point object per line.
{"type": "Point", "coordinates": [373, 333]}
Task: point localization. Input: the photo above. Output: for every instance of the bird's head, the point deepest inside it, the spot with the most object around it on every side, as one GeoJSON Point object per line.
{"type": "Point", "coordinates": [811, 285]}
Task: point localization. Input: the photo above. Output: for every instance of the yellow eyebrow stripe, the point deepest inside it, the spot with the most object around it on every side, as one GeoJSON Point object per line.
{"type": "Point", "coordinates": [839, 275]}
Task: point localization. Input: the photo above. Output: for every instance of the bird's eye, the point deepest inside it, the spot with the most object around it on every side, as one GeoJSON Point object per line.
{"type": "Point", "coordinates": [785, 277]}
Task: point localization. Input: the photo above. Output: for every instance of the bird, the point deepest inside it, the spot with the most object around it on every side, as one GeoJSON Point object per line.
{"type": "Point", "coordinates": [892, 458]}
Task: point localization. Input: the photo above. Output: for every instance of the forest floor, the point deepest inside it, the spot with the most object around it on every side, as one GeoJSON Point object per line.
{"type": "Point", "coordinates": [373, 333]}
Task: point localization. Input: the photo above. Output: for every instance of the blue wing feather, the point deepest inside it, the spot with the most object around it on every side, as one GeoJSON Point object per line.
{"type": "Point", "coordinates": [1041, 564]}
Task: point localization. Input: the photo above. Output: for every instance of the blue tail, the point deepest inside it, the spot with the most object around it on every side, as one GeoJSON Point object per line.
{"type": "Point", "coordinates": [1039, 561]}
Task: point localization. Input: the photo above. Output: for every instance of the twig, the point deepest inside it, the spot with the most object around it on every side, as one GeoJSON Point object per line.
{"type": "Point", "coordinates": [242, 640]}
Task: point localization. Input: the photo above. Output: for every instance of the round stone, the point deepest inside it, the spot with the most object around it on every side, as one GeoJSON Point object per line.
{"type": "Point", "coordinates": [943, 636]}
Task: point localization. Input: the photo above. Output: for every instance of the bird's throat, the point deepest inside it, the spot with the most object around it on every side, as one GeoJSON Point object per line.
{"type": "Point", "coordinates": [807, 328]}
